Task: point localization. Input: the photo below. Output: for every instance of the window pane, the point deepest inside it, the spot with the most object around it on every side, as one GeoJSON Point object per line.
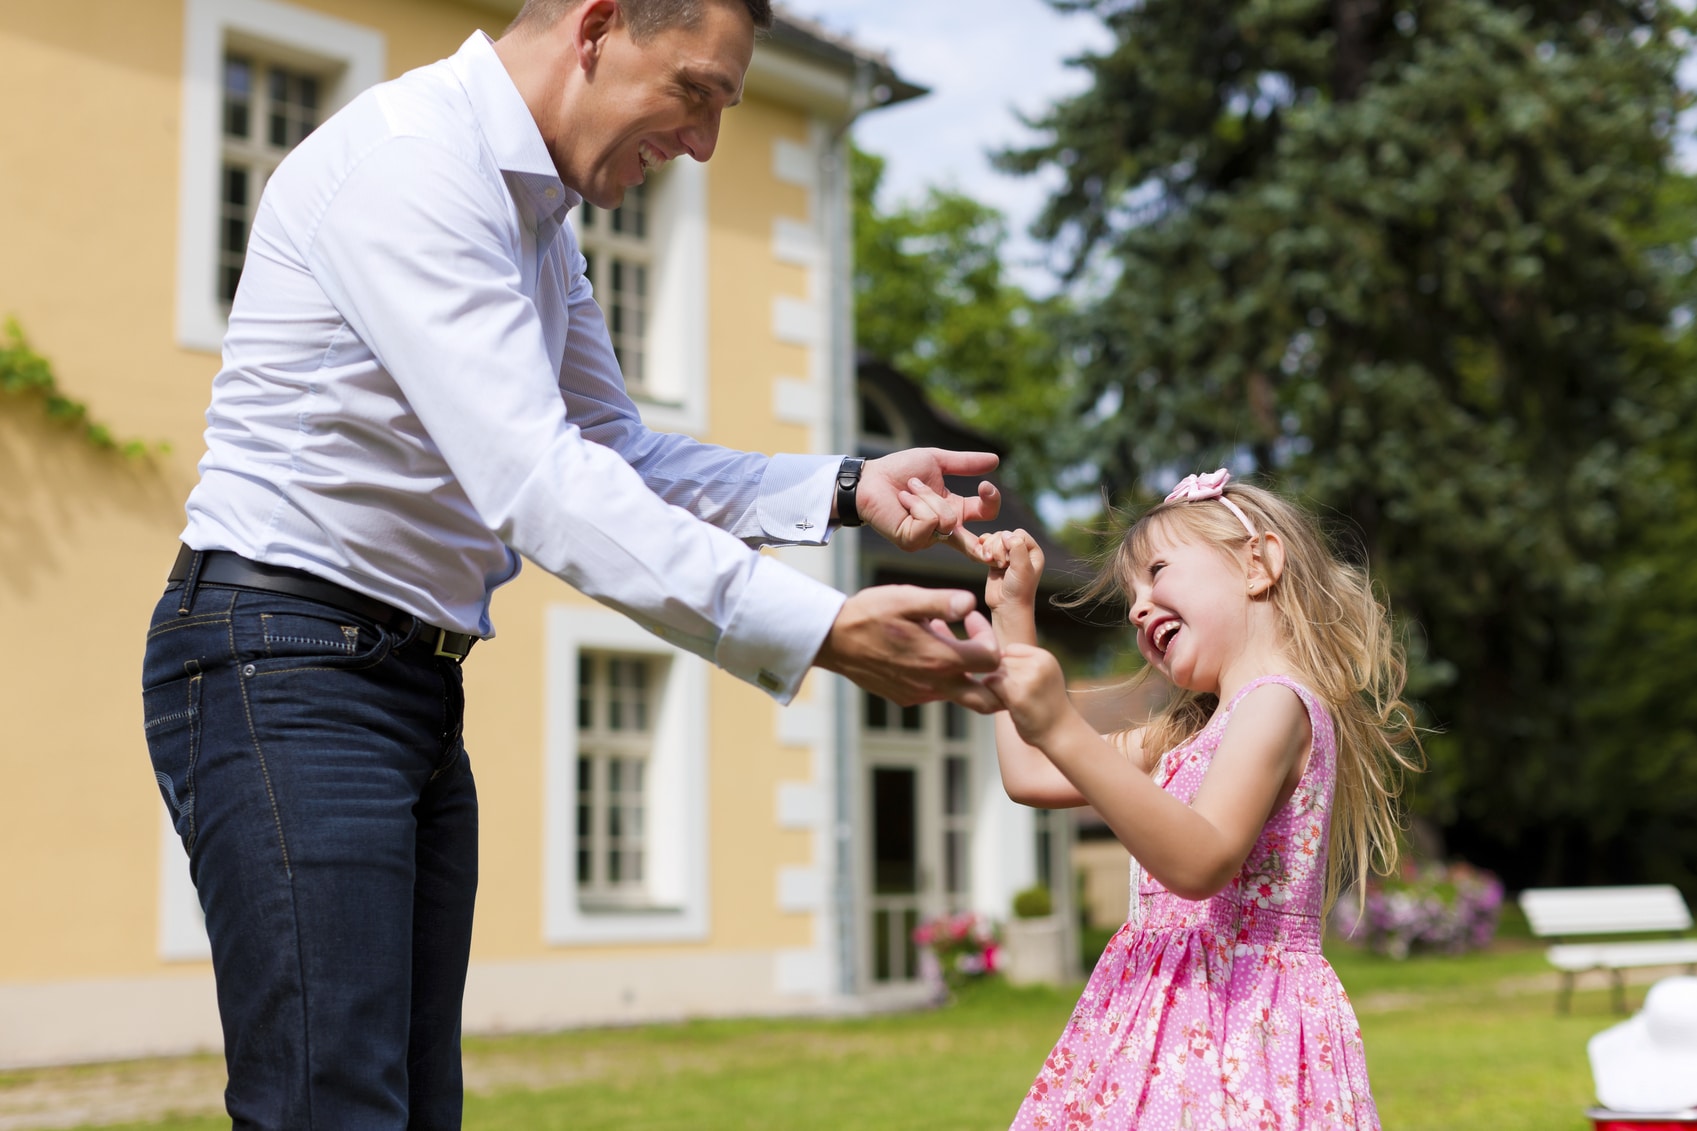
{"type": "Point", "coordinates": [954, 862]}
{"type": "Point", "coordinates": [235, 186]}
{"type": "Point", "coordinates": [1045, 847]}
{"type": "Point", "coordinates": [956, 786]}
{"type": "Point", "coordinates": [294, 103]}
{"type": "Point", "coordinates": [910, 949]}
{"type": "Point", "coordinates": [585, 777]}
{"type": "Point", "coordinates": [631, 217]}
{"type": "Point", "coordinates": [877, 712]}
{"type": "Point", "coordinates": [912, 719]}
{"type": "Point", "coordinates": [954, 720]}
{"type": "Point", "coordinates": [238, 95]}
{"type": "Point", "coordinates": [881, 946]}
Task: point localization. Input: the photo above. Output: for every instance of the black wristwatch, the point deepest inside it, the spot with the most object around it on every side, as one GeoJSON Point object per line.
{"type": "Point", "coordinates": [848, 483]}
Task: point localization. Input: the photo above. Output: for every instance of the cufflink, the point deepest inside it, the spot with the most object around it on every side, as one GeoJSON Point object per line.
{"type": "Point", "coordinates": [769, 681]}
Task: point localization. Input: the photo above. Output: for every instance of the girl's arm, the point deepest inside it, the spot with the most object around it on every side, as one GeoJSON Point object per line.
{"type": "Point", "coordinates": [1016, 564]}
{"type": "Point", "coordinates": [1193, 850]}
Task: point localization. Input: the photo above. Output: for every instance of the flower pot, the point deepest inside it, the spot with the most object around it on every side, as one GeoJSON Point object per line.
{"type": "Point", "coordinates": [1035, 951]}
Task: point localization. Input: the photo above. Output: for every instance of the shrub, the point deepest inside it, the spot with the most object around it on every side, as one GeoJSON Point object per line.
{"type": "Point", "coordinates": [1426, 907]}
{"type": "Point", "coordinates": [1033, 903]}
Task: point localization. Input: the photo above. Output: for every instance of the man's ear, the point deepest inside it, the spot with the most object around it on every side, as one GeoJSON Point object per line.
{"type": "Point", "coordinates": [591, 23]}
{"type": "Point", "coordinates": [1266, 563]}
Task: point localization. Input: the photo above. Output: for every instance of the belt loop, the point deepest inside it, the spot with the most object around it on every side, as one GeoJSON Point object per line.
{"type": "Point", "coordinates": [414, 627]}
{"type": "Point", "coordinates": [190, 584]}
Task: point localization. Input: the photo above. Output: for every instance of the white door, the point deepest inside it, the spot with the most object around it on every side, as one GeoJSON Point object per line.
{"type": "Point", "coordinates": [918, 826]}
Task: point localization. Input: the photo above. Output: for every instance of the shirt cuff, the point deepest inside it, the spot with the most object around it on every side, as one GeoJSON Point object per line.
{"type": "Point", "coordinates": [794, 504]}
{"type": "Point", "coordinates": [777, 628]}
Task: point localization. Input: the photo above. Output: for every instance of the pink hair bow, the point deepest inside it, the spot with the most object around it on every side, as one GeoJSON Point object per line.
{"type": "Point", "coordinates": [1210, 486]}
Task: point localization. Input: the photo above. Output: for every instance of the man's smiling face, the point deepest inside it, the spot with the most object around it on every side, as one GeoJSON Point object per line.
{"type": "Point", "coordinates": [652, 101]}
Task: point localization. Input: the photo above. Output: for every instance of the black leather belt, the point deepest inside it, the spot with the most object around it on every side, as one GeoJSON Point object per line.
{"type": "Point", "coordinates": [232, 571]}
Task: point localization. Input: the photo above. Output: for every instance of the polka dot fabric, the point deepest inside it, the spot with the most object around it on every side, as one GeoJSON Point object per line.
{"type": "Point", "coordinates": [1219, 1014]}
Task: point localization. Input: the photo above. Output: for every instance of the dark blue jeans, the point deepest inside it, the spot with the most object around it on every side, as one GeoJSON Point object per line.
{"type": "Point", "coordinates": [313, 766]}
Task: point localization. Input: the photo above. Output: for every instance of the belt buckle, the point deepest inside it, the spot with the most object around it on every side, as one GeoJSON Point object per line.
{"type": "Point", "coordinates": [442, 648]}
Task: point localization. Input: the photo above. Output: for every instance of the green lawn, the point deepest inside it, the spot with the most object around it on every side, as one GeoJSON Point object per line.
{"type": "Point", "coordinates": [1451, 1043]}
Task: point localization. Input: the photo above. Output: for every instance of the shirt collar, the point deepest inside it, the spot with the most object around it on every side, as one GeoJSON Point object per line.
{"type": "Point", "coordinates": [507, 123]}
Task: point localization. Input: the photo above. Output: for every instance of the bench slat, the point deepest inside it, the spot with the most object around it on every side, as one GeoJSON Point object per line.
{"type": "Point", "coordinates": [1621, 956]}
{"type": "Point", "coordinates": [1605, 910]}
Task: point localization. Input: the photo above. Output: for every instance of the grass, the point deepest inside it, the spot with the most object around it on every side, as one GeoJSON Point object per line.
{"type": "Point", "coordinates": [1451, 1043]}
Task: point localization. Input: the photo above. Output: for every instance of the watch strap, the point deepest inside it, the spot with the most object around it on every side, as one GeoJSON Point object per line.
{"type": "Point", "coordinates": [848, 486]}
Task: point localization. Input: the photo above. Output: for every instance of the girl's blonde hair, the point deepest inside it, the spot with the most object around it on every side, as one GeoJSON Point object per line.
{"type": "Point", "coordinates": [1341, 643]}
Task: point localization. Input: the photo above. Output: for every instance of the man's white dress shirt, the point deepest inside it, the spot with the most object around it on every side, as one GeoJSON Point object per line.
{"type": "Point", "coordinates": [418, 387]}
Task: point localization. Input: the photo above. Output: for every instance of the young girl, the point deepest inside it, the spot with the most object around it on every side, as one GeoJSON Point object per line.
{"type": "Point", "coordinates": [1273, 771]}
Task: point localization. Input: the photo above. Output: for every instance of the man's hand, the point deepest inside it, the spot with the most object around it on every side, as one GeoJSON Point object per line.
{"type": "Point", "coordinates": [903, 497]}
{"type": "Point", "coordinates": [886, 640]}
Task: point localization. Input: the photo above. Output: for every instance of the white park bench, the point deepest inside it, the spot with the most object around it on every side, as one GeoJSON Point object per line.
{"type": "Point", "coordinates": [1563, 913]}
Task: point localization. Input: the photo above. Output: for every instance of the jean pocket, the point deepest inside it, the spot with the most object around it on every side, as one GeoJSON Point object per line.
{"type": "Point", "coordinates": [303, 636]}
{"type": "Point", "coordinates": [171, 719]}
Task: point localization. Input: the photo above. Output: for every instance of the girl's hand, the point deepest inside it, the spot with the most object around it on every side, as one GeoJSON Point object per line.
{"type": "Point", "coordinates": [1030, 684]}
{"type": "Point", "coordinates": [1016, 564]}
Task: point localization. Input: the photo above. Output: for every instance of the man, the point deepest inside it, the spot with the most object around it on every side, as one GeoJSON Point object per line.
{"type": "Point", "coordinates": [418, 389]}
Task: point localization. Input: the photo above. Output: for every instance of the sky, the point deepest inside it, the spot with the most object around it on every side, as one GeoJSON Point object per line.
{"type": "Point", "coordinates": [1006, 57]}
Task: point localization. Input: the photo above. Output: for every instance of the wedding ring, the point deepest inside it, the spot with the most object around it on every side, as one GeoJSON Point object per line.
{"type": "Point", "coordinates": [942, 535]}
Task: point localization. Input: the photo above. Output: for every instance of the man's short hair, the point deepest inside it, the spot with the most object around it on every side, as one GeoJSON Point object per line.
{"type": "Point", "coordinates": [643, 17]}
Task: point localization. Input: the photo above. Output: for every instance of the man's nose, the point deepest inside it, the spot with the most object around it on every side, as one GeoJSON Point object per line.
{"type": "Point", "coordinates": [701, 138]}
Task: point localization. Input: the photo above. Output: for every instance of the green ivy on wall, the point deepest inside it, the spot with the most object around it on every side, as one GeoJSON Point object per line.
{"type": "Point", "coordinates": [26, 374]}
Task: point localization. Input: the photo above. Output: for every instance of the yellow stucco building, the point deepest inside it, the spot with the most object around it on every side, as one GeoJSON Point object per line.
{"type": "Point", "coordinates": [658, 839]}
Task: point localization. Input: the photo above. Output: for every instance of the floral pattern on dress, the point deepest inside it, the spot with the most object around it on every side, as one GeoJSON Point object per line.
{"type": "Point", "coordinates": [1219, 1014]}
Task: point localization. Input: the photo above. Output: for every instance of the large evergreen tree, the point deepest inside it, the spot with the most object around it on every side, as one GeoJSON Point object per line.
{"type": "Point", "coordinates": [1385, 252]}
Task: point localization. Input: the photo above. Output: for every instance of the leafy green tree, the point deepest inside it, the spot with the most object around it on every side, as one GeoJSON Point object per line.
{"type": "Point", "coordinates": [933, 298]}
{"type": "Point", "coordinates": [1387, 254]}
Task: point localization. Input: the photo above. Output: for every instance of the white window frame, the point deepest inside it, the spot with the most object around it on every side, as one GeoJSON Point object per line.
{"type": "Point", "coordinates": [349, 57]}
{"type": "Point", "coordinates": [676, 851]}
{"type": "Point", "coordinates": [629, 746]}
{"type": "Point", "coordinates": [674, 395]}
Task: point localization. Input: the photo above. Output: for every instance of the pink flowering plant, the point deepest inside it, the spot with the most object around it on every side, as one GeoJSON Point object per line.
{"type": "Point", "coordinates": [955, 949]}
{"type": "Point", "coordinates": [1430, 907]}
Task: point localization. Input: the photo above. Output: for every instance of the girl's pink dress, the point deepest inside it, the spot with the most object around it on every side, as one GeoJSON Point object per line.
{"type": "Point", "coordinates": [1219, 1014]}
